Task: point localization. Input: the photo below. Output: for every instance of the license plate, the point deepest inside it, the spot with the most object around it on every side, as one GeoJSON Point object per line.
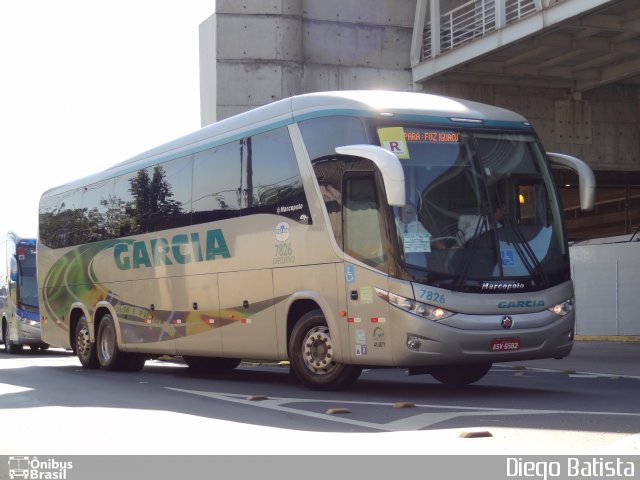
{"type": "Point", "coordinates": [505, 344]}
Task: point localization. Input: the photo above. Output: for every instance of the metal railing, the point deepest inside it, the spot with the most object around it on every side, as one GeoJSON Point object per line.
{"type": "Point", "coordinates": [474, 19]}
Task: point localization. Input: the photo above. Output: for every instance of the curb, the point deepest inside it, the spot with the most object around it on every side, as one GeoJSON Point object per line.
{"type": "Point", "coordinates": [608, 338]}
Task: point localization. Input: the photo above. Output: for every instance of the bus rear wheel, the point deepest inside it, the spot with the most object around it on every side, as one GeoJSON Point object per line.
{"type": "Point", "coordinates": [85, 350]}
{"type": "Point", "coordinates": [311, 355]}
{"type": "Point", "coordinates": [110, 357]}
{"type": "Point", "coordinates": [460, 375]}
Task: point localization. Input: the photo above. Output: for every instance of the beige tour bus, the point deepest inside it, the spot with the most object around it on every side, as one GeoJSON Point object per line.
{"type": "Point", "coordinates": [336, 230]}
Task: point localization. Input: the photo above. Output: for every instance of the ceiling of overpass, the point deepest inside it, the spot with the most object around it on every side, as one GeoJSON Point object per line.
{"type": "Point", "coordinates": [588, 51]}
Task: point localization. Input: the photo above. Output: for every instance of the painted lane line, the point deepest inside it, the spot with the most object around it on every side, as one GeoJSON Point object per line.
{"type": "Point", "coordinates": [414, 422]}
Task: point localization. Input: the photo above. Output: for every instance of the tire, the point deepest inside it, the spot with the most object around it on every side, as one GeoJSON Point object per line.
{"type": "Point", "coordinates": [10, 347]}
{"type": "Point", "coordinates": [311, 355]}
{"type": "Point", "coordinates": [84, 349]}
{"type": "Point", "coordinates": [210, 364]}
{"type": "Point", "coordinates": [110, 357]}
{"type": "Point", "coordinates": [135, 362]}
{"type": "Point", "coordinates": [460, 375]}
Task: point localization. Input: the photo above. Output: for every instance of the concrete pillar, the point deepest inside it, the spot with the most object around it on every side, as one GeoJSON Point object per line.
{"type": "Point", "coordinates": [258, 54]}
{"type": "Point", "coordinates": [258, 51]}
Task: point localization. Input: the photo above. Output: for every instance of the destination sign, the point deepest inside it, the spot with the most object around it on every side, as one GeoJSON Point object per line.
{"type": "Point", "coordinates": [432, 136]}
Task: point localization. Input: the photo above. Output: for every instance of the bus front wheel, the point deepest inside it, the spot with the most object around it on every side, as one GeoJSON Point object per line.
{"type": "Point", "coordinates": [9, 346]}
{"type": "Point", "coordinates": [311, 355]}
{"type": "Point", "coordinates": [460, 375]}
{"type": "Point", "coordinates": [85, 350]}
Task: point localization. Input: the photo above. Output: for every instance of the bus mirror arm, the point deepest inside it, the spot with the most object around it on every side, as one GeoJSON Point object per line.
{"type": "Point", "coordinates": [389, 166]}
{"type": "Point", "coordinates": [585, 176]}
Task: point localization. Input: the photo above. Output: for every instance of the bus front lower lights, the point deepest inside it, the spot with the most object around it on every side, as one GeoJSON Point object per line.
{"type": "Point", "coordinates": [414, 343]}
{"type": "Point", "coordinates": [424, 310]}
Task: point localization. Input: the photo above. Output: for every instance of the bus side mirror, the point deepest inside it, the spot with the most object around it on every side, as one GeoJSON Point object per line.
{"type": "Point", "coordinates": [389, 166]}
{"type": "Point", "coordinates": [585, 176]}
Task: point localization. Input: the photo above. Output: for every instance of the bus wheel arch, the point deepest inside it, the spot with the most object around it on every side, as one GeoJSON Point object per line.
{"type": "Point", "coordinates": [296, 311]}
{"type": "Point", "coordinates": [311, 355]}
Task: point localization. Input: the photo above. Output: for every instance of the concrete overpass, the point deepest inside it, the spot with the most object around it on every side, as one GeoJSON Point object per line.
{"type": "Point", "coordinates": [574, 44]}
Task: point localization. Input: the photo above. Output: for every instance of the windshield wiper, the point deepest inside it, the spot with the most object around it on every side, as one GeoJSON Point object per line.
{"type": "Point", "coordinates": [482, 226]}
{"type": "Point", "coordinates": [525, 252]}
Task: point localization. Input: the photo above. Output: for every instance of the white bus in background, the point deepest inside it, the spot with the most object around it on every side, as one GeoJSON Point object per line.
{"type": "Point", "coordinates": [277, 234]}
{"type": "Point", "coordinates": [19, 294]}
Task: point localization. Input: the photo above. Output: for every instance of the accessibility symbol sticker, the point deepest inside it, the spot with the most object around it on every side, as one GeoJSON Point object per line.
{"type": "Point", "coordinates": [508, 258]}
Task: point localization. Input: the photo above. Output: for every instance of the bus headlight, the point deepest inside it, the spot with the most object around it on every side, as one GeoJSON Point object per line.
{"type": "Point", "coordinates": [563, 308]}
{"type": "Point", "coordinates": [424, 310]}
{"type": "Point", "coordinates": [31, 323]}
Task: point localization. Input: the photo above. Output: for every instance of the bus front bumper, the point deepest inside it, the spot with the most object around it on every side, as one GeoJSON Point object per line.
{"type": "Point", "coordinates": [426, 342]}
{"type": "Point", "coordinates": [29, 332]}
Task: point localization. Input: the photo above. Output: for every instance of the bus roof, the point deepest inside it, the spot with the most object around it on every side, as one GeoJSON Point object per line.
{"type": "Point", "coordinates": [301, 107]}
{"type": "Point", "coordinates": [18, 240]}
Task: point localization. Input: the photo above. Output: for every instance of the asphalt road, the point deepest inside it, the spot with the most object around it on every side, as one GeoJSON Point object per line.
{"type": "Point", "coordinates": [585, 404]}
{"type": "Point", "coordinates": [615, 358]}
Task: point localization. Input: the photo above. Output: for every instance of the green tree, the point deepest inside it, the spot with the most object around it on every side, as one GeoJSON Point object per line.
{"type": "Point", "coordinates": [152, 199]}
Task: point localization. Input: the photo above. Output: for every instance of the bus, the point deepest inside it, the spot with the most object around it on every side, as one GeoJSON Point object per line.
{"type": "Point", "coordinates": [275, 235]}
{"type": "Point", "coordinates": [19, 294]}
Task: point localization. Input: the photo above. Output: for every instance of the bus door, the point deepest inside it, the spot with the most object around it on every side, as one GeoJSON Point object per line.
{"type": "Point", "coordinates": [364, 240]}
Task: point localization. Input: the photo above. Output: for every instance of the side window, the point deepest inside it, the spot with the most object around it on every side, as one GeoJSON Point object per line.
{"type": "Point", "coordinates": [170, 205]}
{"type": "Point", "coordinates": [161, 196]}
{"type": "Point", "coordinates": [322, 135]}
{"type": "Point", "coordinates": [96, 200]}
{"type": "Point", "coordinates": [65, 220]}
{"type": "Point", "coordinates": [216, 183]}
{"type": "Point", "coordinates": [363, 222]}
{"type": "Point", "coordinates": [47, 230]}
{"type": "Point", "coordinates": [124, 221]}
{"type": "Point", "coordinates": [272, 179]}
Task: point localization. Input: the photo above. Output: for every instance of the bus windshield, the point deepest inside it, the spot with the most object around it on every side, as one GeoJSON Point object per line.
{"type": "Point", "coordinates": [28, 286]}
{"type": "Point", "coordinates": [480, 207]}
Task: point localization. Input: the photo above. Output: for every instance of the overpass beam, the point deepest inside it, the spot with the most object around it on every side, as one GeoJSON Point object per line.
{"type": "Point", "coordinates": [501, 13]}
{"type": "Point", "coordinates": [435, 27]}
{"type": "Point", "coordinates": [417, 41]}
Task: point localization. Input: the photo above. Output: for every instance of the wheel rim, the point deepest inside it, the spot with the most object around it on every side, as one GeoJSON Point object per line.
{"type": "Point", "coordinates": [317, 351]}
{"type": "Point", "coordinates": [107, 343]}
{"type": "Point", "coordinates": [83, 342]}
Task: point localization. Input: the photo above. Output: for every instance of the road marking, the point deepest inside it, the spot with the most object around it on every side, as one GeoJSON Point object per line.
{"type": "Point", "coordinates": [414, 422]}
{"type": "Point", "coordinates": [6, 389]}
